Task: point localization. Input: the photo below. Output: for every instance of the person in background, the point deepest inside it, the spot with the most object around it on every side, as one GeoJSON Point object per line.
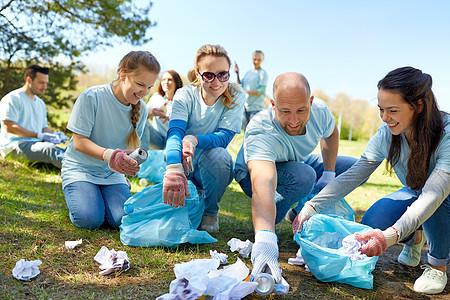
{"type": "Point", "coordinates": [415, 141]}
{"type": "Point", "coordinates": [24, 126]}
{"type": "Point", "coordinates": [160, 107]}
{"type": "Point", "coordinates": [254, 84]}
{"type": "Point", "coordinates": [107, 122]}
{"type": "Point", "coordinates": [205, 117]}
{"type": "Point", "coordinates": [275, 166]}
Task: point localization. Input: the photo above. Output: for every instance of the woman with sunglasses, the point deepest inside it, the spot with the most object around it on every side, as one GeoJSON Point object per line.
{"type": "Point", "coordinates": [415, 141]}
{"type": "Point", "coordinates": [205, 117]}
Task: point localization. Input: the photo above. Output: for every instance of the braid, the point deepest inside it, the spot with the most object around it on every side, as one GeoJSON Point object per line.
{"type": "Point", "coordinates": [133, 141]}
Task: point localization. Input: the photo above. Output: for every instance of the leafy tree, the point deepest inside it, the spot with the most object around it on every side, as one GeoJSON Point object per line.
{"type": "Point", "coordinates": [49, 32]}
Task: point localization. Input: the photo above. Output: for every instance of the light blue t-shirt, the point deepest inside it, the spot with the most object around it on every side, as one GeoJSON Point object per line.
{"type": "Point", "coordinates": [161, 102]}
{"type": "Point", "coordinates": [31, 114]}
{"type": "Point", "coordinates": [378, 149]}
{"type": "Point", "coordinates": [255, 80]}
{"type": "Point", "coordinates": [98, 115]}
{"type": "Point", "coordinates": [265, 139]}
{"type": "Point", "coordinates": [188, 106]}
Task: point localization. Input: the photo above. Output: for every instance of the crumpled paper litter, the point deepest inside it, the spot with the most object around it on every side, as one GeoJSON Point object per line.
{"type": "Point", "coordinates": [25, 270]}
{"type": "Point", "coordinates": [351, 247]}
{"type": "Point", "coordinates": [244, 248]}
{"type": "Point", "coordinates": [73, 244]}
{"type": "Point", "coordinates": [112, 262]}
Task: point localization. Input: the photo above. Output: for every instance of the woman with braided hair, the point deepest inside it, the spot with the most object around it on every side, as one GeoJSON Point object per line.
{"type": "Point", "coordinates": [107, 122]}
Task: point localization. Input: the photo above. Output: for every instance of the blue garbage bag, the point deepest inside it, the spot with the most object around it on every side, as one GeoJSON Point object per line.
{"type": "Point", "coordinates": [154, 167]}
{"type": "Point", "coordinates": [150, 222]}
{"type": "Point", "coordinates": [321, 247]}
{"type": "Point", "coordinates": [339, 208]}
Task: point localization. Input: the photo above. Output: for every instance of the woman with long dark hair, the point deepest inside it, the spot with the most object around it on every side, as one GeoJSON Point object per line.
{"type": "Point", "coordinates": [415, 140]}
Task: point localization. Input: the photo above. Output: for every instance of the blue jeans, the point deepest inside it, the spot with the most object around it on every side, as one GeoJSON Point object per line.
{"type": "Point", "coordinates": [296, 180]}
{"type": "Point", "coordinates": [213, 172]}
{"type": "Point", "coordinates": [386, 211]}
{"type": "Point", "coordinates": [90, 204]}
{"type": "Point", "coordinates": [41, 152]}
{"type": "Point", "coordinates": [247, 116]}
{"type": "Point", "coordinates": [152, 139]}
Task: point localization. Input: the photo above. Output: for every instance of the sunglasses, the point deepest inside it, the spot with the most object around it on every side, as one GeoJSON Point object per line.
{"type": "Point", "coordinates": [209, 76]}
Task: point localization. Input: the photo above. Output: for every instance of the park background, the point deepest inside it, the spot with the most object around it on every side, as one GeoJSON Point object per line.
{"type": "Point", "coordinates": [342, 47]}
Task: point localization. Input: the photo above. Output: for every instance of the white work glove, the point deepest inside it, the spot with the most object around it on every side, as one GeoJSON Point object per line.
{"type": "Point", "coordinates": [175, 186]}
{"type": "Point", "coordinates": [307, 212]}
{"type": "Point", "coordinates": [265, 253]}
{"type": "Point", "coordinates": [189, 143]}
{"type": "Point", "coordinates": [326, 177]}
{"type": "Point", "coordinates": [48, 137]}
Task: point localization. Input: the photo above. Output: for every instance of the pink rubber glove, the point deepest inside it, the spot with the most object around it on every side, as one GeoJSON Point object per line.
{"type": "Point", "coordinates": [378, 241]}
{"type": "Point", "coordinates": [175, 186]}
{"type": "Point", "coordinates": [189, 143]}
{"type": "Point", "coordinates": [307, 212]}
{"type": "Point", "coordinates": [119, 161]}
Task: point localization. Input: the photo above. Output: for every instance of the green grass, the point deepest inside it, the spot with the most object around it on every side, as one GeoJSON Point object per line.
{"type": "Point", "coordinates": [34, 224]}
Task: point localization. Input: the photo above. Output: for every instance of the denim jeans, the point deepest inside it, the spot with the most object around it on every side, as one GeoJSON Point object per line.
{"type": "Point", "coordinates": [296, 180]}
{"type": "Point", "coordinates": [90, 204]}
{"type": "Point", "coordinates": [246, 117]}
{"type": "Point", "coordinates": [45, 152]}
{"type": "Point", "coordinates": [213, 172]}
{"type": "Point", "coordinates": [386, 211]}
{"type": "Point", "coordinates": [152, 139]}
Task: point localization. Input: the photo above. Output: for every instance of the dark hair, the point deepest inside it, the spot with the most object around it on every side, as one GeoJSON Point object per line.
{"type": "Point", "coordinates": [414, 87]}
{"type": "Point", "coordinates": [33, 69]}
{"type": "Point", "coordinates": [176, 78]}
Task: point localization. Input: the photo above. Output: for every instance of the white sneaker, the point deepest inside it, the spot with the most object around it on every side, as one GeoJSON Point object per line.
{"type": "Point", "coordinates": [432, 281]}
{"type": "Point", "coordinates": [210, 223]}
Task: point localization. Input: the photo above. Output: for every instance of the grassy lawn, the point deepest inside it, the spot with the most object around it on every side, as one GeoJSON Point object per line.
{"type": "Point", "coordinates": [34, 224]}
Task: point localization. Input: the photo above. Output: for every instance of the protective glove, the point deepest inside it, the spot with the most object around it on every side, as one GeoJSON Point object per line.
{"type": "Point", "coordinates": [378, 241]}
{"type": "Point", "coordinates": [62, 137]}
{"type": "Point", "coordinates": [175, 186]}
{"type": "Point", "coordinates": [307, 212]}
{"type": "Point", "coordinates": [265, 253]}
{"type": "Point", "coordinates": [326, 177]}
{"type": "Point", "coordinates": [119, 161]}
{"type": "Point", "coordinates": [48, 137]}
{"type": "Point", "coordinates": [189, 143]}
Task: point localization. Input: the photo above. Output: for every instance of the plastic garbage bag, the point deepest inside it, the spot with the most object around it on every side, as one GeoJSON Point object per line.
{"type": "Point", "coordinates": [154, 167]}
{"type": "Point", "coordinates": [321, 247]}
{"type": "Point", "coordinates": [150, 222]}
{"type": "Point", "coordinates": [339, 208]}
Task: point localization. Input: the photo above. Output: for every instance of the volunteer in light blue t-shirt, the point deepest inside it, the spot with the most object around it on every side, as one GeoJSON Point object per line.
{"type": "Point", "coordinates": [107, 122]}
{"type": "Point", "coordinates": [160, 108]}
{"type": "Point", "coordinates": [254, 84]}
{"type": "Point", "coordinates": [415, 140]}
{"type": "Point", "coordinates": [275, 168]}
{"type": "Point", "coordinates": [205, 117]}
{"type": "Point", "coordinates": [24, 126]}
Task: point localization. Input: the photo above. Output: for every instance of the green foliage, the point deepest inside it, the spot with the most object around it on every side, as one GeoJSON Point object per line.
{"type": "Point", "coordinates": [47, 32]}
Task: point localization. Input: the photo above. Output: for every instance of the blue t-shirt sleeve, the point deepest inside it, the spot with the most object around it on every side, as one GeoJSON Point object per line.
{"type": "Point", "coordinates": [443, 154]}
{"type": "Point", "coordinates": [220, 138]}
{"type": "Point", "coordinates": [82, 118]}
{"type": "Point", "coordinates": [376, 148]}
{"type": "Point", "coordinates": [175, 135]}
